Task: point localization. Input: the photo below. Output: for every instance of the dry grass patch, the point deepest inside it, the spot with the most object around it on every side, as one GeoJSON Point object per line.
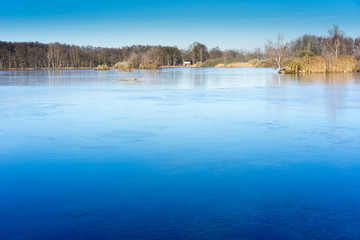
{"type": "Point", "coordinates": [239, 64]}
{"type": "Point", "coordinates": [314, 64]}
{"type": "Point", "coordinates": [342, 64]}
{"type": "Point", "coordinates": [221, 65]}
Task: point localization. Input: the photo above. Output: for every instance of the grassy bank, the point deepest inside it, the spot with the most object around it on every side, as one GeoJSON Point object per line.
{"type": "Point", "coordinates": [57, 68]}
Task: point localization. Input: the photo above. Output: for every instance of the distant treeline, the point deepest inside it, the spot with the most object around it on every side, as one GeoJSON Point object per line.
{"type": "Point", "coordinates": [57, 55]}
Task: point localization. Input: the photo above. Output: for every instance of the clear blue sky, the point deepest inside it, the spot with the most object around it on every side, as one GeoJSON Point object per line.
{"type": "Point", "coordinates": [224, 23]}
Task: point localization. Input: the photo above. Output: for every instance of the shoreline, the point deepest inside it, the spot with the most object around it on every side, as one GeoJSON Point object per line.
{"type": "Point", "coordinates": [62, 68]}
{"type": "Point", "coordinates": [85, 68]}
{"type": "Point", "coordinates": [237, 65]}
{"type": "Point", "coordinates": [162, 67]}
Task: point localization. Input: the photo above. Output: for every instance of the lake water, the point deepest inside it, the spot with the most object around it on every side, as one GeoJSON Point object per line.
{"type": "Point", "coordinates": [180, 153]}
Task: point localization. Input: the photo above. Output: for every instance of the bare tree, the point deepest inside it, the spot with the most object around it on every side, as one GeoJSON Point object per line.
{"type": "Point", "coordinates": [135, 59]}
{"type": "Point", "coordinates": [335, 40]}
{"type": "Point", "coordinates": [276, 51]}
{"type": "Point", "coordinates": [155, 55]}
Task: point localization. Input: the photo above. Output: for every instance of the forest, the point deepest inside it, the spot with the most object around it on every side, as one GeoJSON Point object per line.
{"type": "Point", "coordinates": [35, 55]}
{"type": "Point", "coordinates": [56, 55]}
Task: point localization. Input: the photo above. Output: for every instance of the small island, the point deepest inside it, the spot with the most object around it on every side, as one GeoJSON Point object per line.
{"type": "Point", "coordinates": [102, 68]}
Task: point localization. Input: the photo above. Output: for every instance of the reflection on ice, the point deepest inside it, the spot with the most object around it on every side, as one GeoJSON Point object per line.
{"type": "Point", "coordinates": [173, 78]}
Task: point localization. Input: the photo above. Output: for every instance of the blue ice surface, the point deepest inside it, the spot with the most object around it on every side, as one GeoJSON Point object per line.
{"type": "Point", "coordinates": [180, 153]}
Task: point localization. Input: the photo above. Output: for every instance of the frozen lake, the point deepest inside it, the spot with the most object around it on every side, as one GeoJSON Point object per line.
{"type": "Point", "coordinates": [182, 153]}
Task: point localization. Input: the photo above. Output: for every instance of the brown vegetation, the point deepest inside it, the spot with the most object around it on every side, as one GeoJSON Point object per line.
{"type": "Point", "coordinates": [239, 64]}
{"type": "Point", "coordinates": [313, 64]}
{"type": "Point", "coordinates": [124, 66]}
{"type": "Point", "coordinates": [148, 66]}
{"type": "Point", "coordinates": [317, 64]}
{"type": "Point", "coordinates": [102, 68]}
{"type": "Point", "coordinates": [341, 64]}
{"type": "Point", "coordinates": [235, 65]}
{"type": "Point", "coordinates": [221, 65]}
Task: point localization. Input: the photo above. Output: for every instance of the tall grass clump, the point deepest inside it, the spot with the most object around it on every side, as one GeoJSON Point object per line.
{"type": "Point", "coordinates": [342, 64]}
{"type": "Point", "coordinates": [309, 64]}
{"type": "Point", "coordinates": [317, 64]}
{"type": "Point", "coordinates": [313, 64]}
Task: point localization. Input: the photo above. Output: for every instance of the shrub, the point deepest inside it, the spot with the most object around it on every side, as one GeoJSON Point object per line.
{"type": "Point", "coordinates": [293, 65]}
{"type": "Point", "coordinates": [102, 67]}
{"type": "Point", "coordinates": [124, 66]}
{"type": "Point", "coordinates": [306, 54]}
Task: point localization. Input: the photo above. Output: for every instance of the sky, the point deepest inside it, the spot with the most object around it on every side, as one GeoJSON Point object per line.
{"type": "Point", "coordinates": [227, 24]}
